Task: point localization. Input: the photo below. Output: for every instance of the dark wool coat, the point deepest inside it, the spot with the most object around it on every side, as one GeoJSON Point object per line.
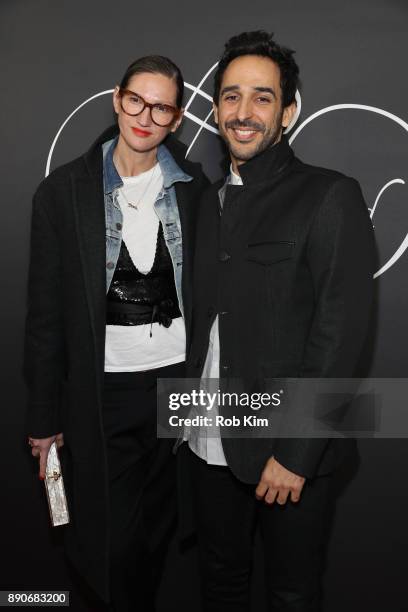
{"type": "Point", "coordinates": [288, 266]}
{"type": "Point", "coordinates": [65, 335]}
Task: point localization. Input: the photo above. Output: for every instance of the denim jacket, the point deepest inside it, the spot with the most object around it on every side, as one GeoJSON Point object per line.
{"type": "Point", "coordinates": [165, 207]}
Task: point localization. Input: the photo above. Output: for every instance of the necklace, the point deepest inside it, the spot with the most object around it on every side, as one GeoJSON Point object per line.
{"type": "Point", "coordinates": [133, 205]}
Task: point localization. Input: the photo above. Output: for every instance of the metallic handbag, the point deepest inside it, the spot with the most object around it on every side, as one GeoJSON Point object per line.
{"type": "Point", "coordinates": [54, 486]}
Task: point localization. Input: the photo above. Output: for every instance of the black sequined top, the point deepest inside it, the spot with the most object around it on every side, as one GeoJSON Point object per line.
{"type": "Point", "coordinates": [137, 299]}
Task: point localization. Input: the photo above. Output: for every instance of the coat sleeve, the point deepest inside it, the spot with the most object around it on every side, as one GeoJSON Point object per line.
{"type": "Point", "coordinates": [341, 256]}
{"type": "Point", "coordinates": [44, 338]}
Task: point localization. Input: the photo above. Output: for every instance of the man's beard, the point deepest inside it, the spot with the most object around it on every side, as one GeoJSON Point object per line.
{"type": "Point", "coordinates": [270, 137]}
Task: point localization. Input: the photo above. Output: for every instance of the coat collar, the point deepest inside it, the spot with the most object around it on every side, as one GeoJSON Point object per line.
{"type": "Point", "coordinates": [267, 164]}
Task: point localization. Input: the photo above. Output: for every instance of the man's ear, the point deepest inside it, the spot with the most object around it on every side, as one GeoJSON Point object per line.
{"type": "Point", "coordinates": [288, 114]}
{"type": "Point", "coordinates": [115, 98]}
{"type": "Point", "coordinates": [178, 122]}
{"type": "Point", "coordinates": [215, 109]}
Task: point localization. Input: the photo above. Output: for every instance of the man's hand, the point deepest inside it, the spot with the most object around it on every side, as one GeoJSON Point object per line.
{"type": "Point", "coordinates": [40, 448]}
{"type": "Point", "coordinates": [277, 482]}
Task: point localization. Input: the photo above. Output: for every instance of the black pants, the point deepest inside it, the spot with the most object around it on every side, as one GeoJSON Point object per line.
{"type": "Point", "coordinates": [142, 486]}
{"type": "Point", "coordinates": [293, 539]}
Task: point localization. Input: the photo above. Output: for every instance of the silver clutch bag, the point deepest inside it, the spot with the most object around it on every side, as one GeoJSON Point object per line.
{"type": "Point", "coordinates": [54, 486]}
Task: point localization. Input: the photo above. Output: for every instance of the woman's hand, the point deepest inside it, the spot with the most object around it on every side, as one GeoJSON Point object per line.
{"type": "Point", "coordinates": [40, 448]}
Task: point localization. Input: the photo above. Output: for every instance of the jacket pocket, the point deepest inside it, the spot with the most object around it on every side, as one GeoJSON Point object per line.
{"type": "Point", "coordinates": [271, 252]}
{"type": "Point", "coordinates": [113, 233]}
{"type": "Point", "coordinates": [171, 232]}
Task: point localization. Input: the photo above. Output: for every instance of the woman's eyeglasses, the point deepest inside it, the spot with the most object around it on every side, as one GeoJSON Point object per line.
{"type": "Point", "coordinates": [133, 104]}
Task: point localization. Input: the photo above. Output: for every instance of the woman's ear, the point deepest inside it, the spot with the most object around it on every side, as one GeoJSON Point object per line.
{"type": "Point", "coordinates": [178, 121]}
{"type": "Point", "coordinates": [115, 99]}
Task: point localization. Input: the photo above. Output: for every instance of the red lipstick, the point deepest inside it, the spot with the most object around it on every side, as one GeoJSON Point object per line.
{"type": "Point", "coordinates": [139, 132]}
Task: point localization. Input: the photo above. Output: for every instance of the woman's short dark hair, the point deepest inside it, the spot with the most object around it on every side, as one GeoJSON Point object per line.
{"type": "Point", "coordinates": [260, 43]}
{"type": "Point", "coordinates": [156, 64]}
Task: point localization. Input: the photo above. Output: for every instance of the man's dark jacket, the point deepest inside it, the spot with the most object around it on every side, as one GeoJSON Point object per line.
{"type": "Point", "coordinates": [288, 266]}
{"type": "Point", "coordinates": [65, 335]}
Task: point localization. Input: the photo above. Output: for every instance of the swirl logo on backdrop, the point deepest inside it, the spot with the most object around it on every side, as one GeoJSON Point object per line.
{"type": "Point", "coordinates": [393, 183]}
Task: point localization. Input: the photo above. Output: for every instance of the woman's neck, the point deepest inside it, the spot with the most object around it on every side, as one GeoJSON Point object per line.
{"type": "Point", "coordinates": [131, 163]}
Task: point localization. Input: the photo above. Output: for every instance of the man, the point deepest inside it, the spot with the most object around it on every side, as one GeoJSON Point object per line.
{"type": "Point", "coordinates": [283, 276]}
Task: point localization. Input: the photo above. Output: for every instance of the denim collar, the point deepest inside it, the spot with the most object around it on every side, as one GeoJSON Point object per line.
{"type": "Point", "coordinates": [171, 171]}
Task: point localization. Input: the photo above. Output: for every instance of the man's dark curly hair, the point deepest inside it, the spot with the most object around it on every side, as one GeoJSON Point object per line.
{"type": "Point", "coordinates": [260, 43]}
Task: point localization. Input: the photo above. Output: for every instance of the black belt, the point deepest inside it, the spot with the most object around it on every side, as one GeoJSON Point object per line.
{"type": "Point", "coordinates": [129, 308]}
{"type": "Point", "coordinates": [120, 313]}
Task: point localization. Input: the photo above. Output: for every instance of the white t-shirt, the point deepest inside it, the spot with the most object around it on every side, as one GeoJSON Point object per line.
{"type": "Point", "coordinates": [129, 348]}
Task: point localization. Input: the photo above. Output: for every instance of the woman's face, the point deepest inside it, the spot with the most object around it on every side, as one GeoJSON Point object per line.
{"type": "Point", "coordinates": [139, 132]}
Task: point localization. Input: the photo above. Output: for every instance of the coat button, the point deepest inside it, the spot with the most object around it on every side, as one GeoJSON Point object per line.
{"type": "Point", "coordinates": [118, 226]}
{"type": "Point", "coordinates": [224, 312]}
{"type": "Point", "coordinates": [225, 368]}
{"type": "Point", "coordinates": [224, 256]}
{"type": "Point", "coordinates": [110, 265]}
{"type": "Point", "coordinates": [211, 311]}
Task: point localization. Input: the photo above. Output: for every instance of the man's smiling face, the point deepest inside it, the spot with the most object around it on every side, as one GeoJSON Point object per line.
{"type": "Point", "coordinates": [249, 112]}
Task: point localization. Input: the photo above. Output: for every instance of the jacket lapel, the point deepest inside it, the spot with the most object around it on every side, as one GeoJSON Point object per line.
{"type": "Point", "coordinates": [88, 201]}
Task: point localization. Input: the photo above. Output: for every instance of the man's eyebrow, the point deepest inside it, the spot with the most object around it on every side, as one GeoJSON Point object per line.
{"type": "Point", "coordinates": [266, 90]}
{"type": "Point", "coordinates": [229, 88]}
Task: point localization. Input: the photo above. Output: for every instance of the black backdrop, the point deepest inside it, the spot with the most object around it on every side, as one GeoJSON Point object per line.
{"type": "Point", "coordinates": [54, 56]}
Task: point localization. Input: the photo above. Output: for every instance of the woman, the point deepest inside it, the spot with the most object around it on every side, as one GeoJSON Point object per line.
{"type": "Point", "coordinates": [109, 312]}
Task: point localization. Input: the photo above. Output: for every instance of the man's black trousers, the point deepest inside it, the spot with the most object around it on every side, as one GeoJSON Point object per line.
{"type": "Point", "coordinates": [293, 538]}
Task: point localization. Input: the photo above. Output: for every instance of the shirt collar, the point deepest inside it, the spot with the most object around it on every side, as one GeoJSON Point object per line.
{"type": "Point", "coordinates": [171, 171]}
{"type": "Point", "coordinates": [234, 179]}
